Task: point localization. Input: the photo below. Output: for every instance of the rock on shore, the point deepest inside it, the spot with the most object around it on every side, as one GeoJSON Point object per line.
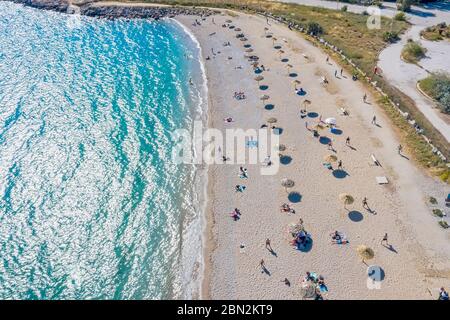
{"type": "Point", "coordinates": [112, 11]}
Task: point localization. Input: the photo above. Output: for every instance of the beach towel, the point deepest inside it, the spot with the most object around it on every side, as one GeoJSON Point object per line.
{"type": "Point", "coordinates": [252, 144]}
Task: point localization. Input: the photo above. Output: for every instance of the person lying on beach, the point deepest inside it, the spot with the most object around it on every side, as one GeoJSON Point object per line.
{"type": "Point", "coordinates": [303, 113]}
{"type": "Point", "coordinates": [286, 208]}
{"type": "Point", "coordinates": [239, 188]}
{"type": "Point", "coordinates": [267, 161]}
{"type": "Point", "coordinates": [239, 95]}
{"type": "Point", "coordinates": [236, 214]}
{"type": "Point", "coordinates": [243, 173]}
{"type": "Point", "coordinates": [338, 238]}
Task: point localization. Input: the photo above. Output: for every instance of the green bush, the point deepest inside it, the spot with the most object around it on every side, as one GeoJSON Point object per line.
{"type": "Point", "coordinates": [404, 5]}
{"type": "Point", "coordinates": [390, 36]}
{"type": "Point", "coordinates": [438, 213]}
{"type": "Point", "coordinates": [443, 224]}
{"type": "Point", "coordinates": [437, 85]}
{"type": "Point", "coordinates": [314, 28]}
{"type": "Point", "coordinates": [413, 51]}
{"type": "Point", "coordinates": [401, 16]}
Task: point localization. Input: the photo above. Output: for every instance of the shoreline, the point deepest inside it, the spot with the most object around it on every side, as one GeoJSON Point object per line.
{"type": "Point", "coordinates": [114, 10]}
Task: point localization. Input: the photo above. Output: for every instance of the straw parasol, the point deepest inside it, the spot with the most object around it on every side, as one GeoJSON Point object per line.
{"type": "Point", "coordinates": [264, 97]}
{"type": "Point", "coordinates": [365, 252]}
{"type": "Point", "coordinates": [272, 120]}
{"type": "Point", "coordinates": [346, 199]}
{"type": "Point", "coordinates": [308, 290]}
{"type": "Point", "coordinates": [259, 78]}
{"type": "Point", "coordinates": [287, 183]}
{"type": "Point", "coordinates": [280, 147]}
{"type": "Point", "coordinates": [289, 66]}
{"type": "Point", "coordinates": [280, 52]}
{"type": "Point", "coordinates": [295, 228]}
{"type": "Point", "coordinates": [249, 50]}
{"type": "Point", "coordinates": [228, 21]}
{"type": "Point", "coordinates": [330, 158]}
{"type": "Point", "coordinates": [330, 121]}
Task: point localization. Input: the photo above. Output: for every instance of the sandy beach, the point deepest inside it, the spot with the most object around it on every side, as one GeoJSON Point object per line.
{"type": "Point", "coordinates": [416, 261]}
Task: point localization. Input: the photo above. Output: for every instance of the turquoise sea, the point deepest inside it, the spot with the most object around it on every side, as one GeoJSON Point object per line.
{"type": "Point", "coordinates": [91, 205]}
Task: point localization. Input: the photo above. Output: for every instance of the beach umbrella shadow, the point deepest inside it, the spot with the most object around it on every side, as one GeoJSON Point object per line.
{"type": "Point", "coordinates": [313, 114]}
{"type": "Point", "coordinates": [277, 131]}
{"type": "Point", "coordinates": [269, 106]}
{"type": "Point", "coordinates": [285, 160]}
{"type": "Point", "coordinates": [293, 75]}
{"type": "Point", "coordinates": [355, 216]}
{"type": "Point", "coordinates": [324, 140]}
{"type": "Point", "coordinates": [307, 247]}
{"type": "Point", "coordinates": [336, 131]}
{"type": "Point", "coordinates": [294, 197]}
{"type": "Point", "coordinates": [278, 47]}
{"type": "Point", "coordinates": [340, 174]}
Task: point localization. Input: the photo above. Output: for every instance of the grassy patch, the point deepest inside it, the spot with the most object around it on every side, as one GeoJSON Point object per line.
{"type": "Point", "coordinates": [413, 52]}
{"type": "Point", "coordinates": [437, 86]}
{"type": "Point", "coordinates": [438, 213]}
{"type": "Point", "coordinates": [443, 224]}
{"type": "Point", "coordinates": [438, 32]}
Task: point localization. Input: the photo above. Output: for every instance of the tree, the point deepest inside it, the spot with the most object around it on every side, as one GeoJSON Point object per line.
{"type": "Point", "coordinates": [404, 5]}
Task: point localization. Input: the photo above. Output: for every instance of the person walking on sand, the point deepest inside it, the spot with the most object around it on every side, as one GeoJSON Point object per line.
{"type": "Point", "coordinates": [268, 246]}
{"type": "Point", "coordinates": [330, 145]}
{"type": "Point", "coordinates": [347, 141]}
{"type": "Point", "coordinates": [365, 98]}
{"type": "Point", "coordinates": [400, 148]}
{"type": "Point", "coordinates": [328, 59]}
{"type": "Point", "coordinates": [385, 239]}
{"type": "Point", "coordinates": [364, 203]}
{"type": "Point", "coordinates": [262, 265]}
{"type": "Point", "coordinates": [342, 70]}
{"type": "Point", "coordinates": [335, 73]}
{"type": "Point", "coordinates": [286, 282]}
{"type": "Point", "coordinates": [374, 120]}
{"type": "Point", "coordinates": [340, 165]}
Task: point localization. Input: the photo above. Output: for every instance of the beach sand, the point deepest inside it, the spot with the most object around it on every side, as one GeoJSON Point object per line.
{"type": "Point", "coordinates": [418, 261]}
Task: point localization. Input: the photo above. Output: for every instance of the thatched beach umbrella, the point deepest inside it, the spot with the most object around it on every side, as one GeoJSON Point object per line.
{"type": "Point", "coordinates": [295, 228]}
{"type": "Point", "coordinates": [287, 183]}
{"type": "Point", "coordinates": [280, 147]}
{"type": "Point", "coordinates": [237, 29]}
{"type": "Point", "coordinates": [331, 121]}
{"type": "Point", "coordinates": [249, 50]}
{"type": "Point", "coordinates": [289, 66]}
{"type": "Point", "coordinates": [259, 78]}
{"type": "Point", "coordinates": [330, 158]}
{"type": "Point", "coordinates": [365, 253]}
{"type": "Point", "coordinates": [308, 290]}
{"type": "Point", "coordinates": [264, 98]}
{"type": "Point", "coordinates": [272, 120]}
{"type": "Point", "coordinates": [296, 82]}
{"type": "Point", "coordinates": [346, 199]}
{"type": "Point", "coordinates": [228, 21]}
